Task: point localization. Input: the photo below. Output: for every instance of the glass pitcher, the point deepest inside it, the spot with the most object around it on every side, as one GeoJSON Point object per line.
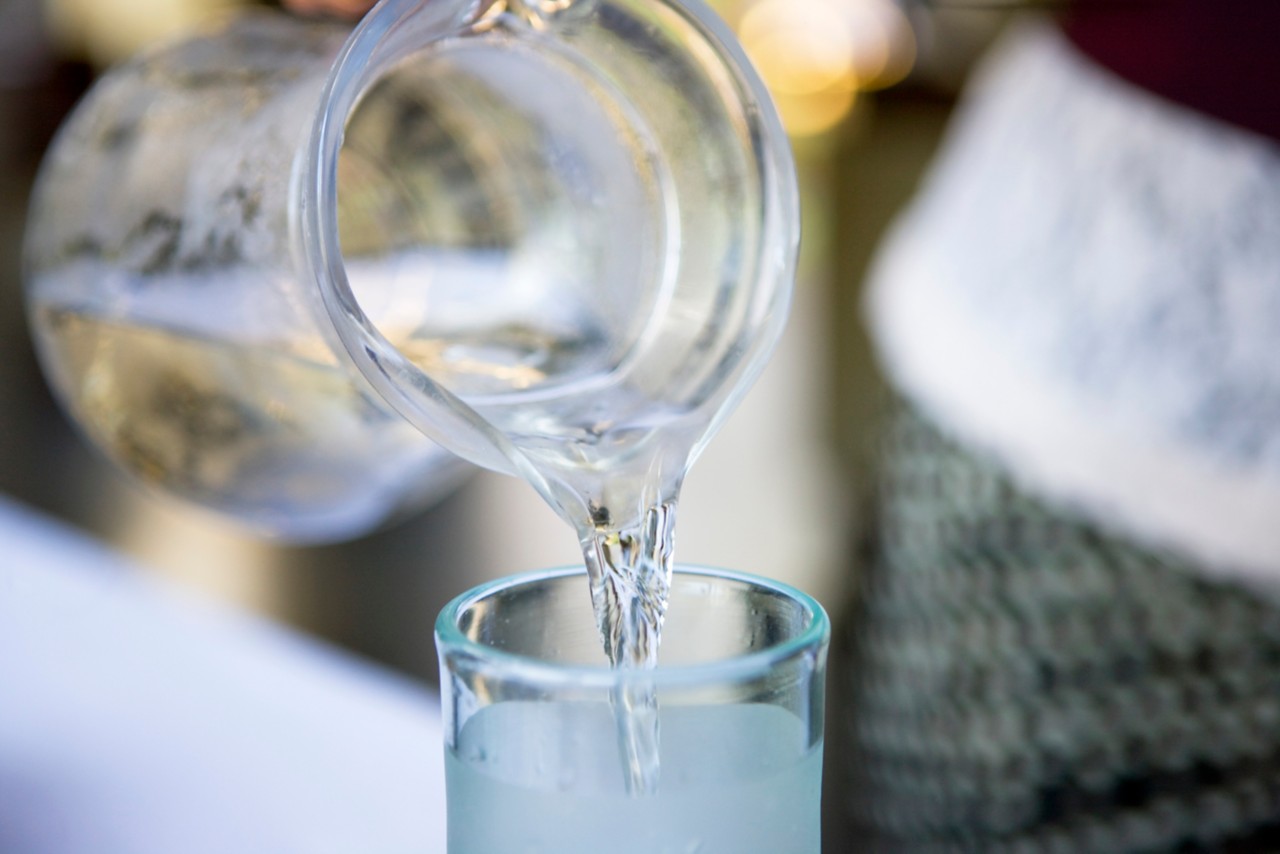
{"type": "Point", "coordinates": [289, 271]}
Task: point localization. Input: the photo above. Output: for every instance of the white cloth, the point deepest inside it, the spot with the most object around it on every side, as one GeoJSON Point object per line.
{"type": "Point", "coordinates": [1088, 289]}
{"type": "Point", "coordinates": [136, 719]}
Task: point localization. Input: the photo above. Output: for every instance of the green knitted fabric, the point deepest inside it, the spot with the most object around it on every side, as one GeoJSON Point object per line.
{"type": "Point", "coordinates": [1016, 680]}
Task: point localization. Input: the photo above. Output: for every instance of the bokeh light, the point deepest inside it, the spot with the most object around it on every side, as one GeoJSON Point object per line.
{"type": "Point", "coordinates": [816, 55]}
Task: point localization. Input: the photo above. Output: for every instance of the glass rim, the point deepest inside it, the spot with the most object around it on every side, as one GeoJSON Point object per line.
{"type": "Point", "coordinates": [450, 642]}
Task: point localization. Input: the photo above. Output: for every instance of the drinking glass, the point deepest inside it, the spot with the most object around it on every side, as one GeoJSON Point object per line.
{"type": "Point", "coordinates": [534, 725]}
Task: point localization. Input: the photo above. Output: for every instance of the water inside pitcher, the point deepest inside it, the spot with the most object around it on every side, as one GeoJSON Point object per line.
{"type": "Point", "coordinates": [294, 274]}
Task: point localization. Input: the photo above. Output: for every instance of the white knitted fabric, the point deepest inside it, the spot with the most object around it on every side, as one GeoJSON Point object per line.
{"type": "Point", "coordinates": [1088, 288]}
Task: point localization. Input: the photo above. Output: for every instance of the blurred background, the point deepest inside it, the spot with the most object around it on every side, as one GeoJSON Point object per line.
{"type": "Point", "coordinates": [864, 88]}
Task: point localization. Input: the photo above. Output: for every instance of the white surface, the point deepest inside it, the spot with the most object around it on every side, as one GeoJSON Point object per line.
{"type": "Point", "coordinates": [136, 720]}
{"type": "Point", "coordinates": [1087, 290]}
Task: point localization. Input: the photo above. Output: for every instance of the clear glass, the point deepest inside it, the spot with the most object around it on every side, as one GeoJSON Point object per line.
{"type": "Point", "coordinates": [534, 756]}
{"type": "Point", "coordinates": [555, 236]}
